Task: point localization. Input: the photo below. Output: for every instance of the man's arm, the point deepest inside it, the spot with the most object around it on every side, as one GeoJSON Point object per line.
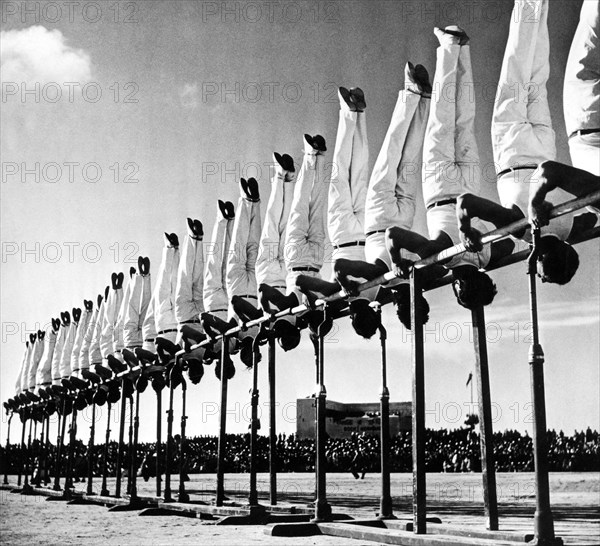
{"type": "Point", "coordinates": [314, 284]}
{"type": "Point", "coordinates": [551, 175]}
{"type": "Point", "coordinates": [344, 268]}
{"type": "Point", "coordinates": [244, 309]}
{"type": "Point", "coordinates": [470, 206]}
{"type": "Point", "coordinates": [269, 297]}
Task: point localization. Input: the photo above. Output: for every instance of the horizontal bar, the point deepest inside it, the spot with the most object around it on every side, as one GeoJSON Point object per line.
{"type": "Point", "coordinates": [501, 233]}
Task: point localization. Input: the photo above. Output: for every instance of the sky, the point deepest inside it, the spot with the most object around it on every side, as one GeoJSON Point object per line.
{"type": "Point", "coordinates": [121, 119]}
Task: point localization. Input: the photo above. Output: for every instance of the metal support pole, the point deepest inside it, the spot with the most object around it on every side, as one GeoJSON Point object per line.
{"type": "Point", "coordinates": [322, 507]}
{"type": "Point", "coordinates": [488, 468]}
{"type": "Point", "coordinates": [543, 520]}
{"type": "Point", "coordinates": [182, 495]}
{"type": "Point", "coordinates": [90, 453]}
{"type": "Point", "coordinates": [34, 450]}
{"type": "Point", "coordinates": [22, 457]}
{"type": "Point", "coordinates": [133, 467]}
{"type": "Point", "coordinates": [104, 490]}
{"type": "Point", "coordinates": [70, 455]}
{"type": "Point", "coordinates": [47, 452]}
{"type": "Point", "coordinates": [37, 480]}
{"type": "Point", "coordinates": [167, 496]}
{"type": "Point", "coordinates": [7, 450]}
{"type": "Point", "coordinates": [129, 445]}
{"type": "Point", "coordinates": [385, 505]}
{"type": "Point", "coordinates": [27, 457]}
{"type": "Point", "coordinates": [272, 424]}
{"type": "Point", "coordinates": [158, 441]}
{"type": "Point", "coordinates": [59, 445]}
{"type": "Point", "coordinates": [220, 492]}
{"type": "Point", "coordinates": [121, 439]}
{"type": "Point", "coordinates": [418, 409]}
{"type": "Point", "coordinates": [253, 496]}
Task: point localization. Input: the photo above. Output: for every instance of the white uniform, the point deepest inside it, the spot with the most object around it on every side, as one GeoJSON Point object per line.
{"type": "Point", "coordinates": [582, 90]}
{"type": "Point", "coordinates": [189, 299]}
{"type": "Point", "coordinates": [44, 371]}
{"type": "Point", "coordinates": [348, 188]}
{"type": "Point", "coordinates": [149, 324]}
{"type": "Point", "coordinates": [82, 328]}
{"type": "Point", "coordinates": [109, 322]}
{"type": "Point", "coordinates": [164, 294]}
{"type": "Point", "coordinates": [38, 352]}
{"type": "Point", "coordinates": [57, 355]}
{"type": "Point", "coordinates": [95, 354]}
{"type": "Point", "coordinates": [137, 308]}
{"type": "Point", "coordinates": [450, 156]}
{"type": "Point", "coordinates": [216, 301]}
{"type": "Point", "coordinates": [270, 262]}
{"type": "Point", "coordinates": [392, 191]}
{"type": "Point", "coordinates": [67, 350]}
{"type": "Point", "coordinates": [522, 134]}
{"type": "Point", "coordinates": [305, 235]}
{"type": "Point", "coordinates": [118, 336]}
{"type": "Point", "coordinates": [24, 361]}
{"type": "Point", "coordinates": [243, 252]}
{"type": "Point", "coordinates": [84, 352]}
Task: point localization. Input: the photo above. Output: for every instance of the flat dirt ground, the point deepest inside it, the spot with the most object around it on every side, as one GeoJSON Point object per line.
{"type": "Point", "coordinates": [455, 498]}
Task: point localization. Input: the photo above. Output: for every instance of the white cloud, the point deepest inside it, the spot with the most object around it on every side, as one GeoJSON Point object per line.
{"type": "Point", "coordinates": [189, 95]}
{"type": "Point", "coordinates": [36, 54]}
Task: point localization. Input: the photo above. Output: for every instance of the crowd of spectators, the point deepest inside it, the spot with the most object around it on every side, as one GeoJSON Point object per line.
{"type": "Point", "coordinates": [446, 451]}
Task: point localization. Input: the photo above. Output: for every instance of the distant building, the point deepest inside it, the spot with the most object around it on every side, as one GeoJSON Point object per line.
{"type": "Point", "coordinates": [344, 419]}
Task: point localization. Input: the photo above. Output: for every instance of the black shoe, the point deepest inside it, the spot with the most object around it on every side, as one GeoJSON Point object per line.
{"type": "Point", "coordinates": [285, 161]}
{"type": "Point", "coordinates": [254, 194]}
{"type": "Point", "coordinates": [89, 305]}
{"type": "Point", "coordinates": [317, 142]}
{"type": "Point", "coordinates": [196, 230]}
{"type": "Point", "coordinates": [99, 300]}
{"type": "Point", "coordinates": [172, 240]}
{"type": "Point", "coordinates": [144, 266]}
{"type": "Point", "coordinates": [76, 314]}
{"type": "Point", "coordinates": [344, 95]}
{"type": "Point", "coordinates": [230, 210]}
{"type": "Point", "coordinates": [357, 97]}
{"type": "Point", "coordinates": [132, 272]}
{"type": "Point", "coordinates": [65, 319]}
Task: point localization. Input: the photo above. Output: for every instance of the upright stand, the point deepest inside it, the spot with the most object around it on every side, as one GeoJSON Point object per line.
{"type": "Point", "coordinates": [543, 520]}
{"type": "Point", "coordinates": [37, 479]}
{"type": "Point", "coordinates": [70, 455]}
{"type": "Point", "coordinates": [22, 457]}
{"type": "Point", "coordinates": [182, 496]}
{"type": "Point", "coordinates": [27, 457]}
{"type": "Point", "coordinates": [167, 496]}
{"type": "Point", "coordinates": [385, 505]}
{"type": "Point", "coordinates": [5, 482]}
{"type": "Point", "coordinates": [418, 409]}
{"type": "Point", "coordinates": [59, 444]}
{"type": "Point", "coordinates": [90, 453]}
{"type": "Point", "coordinates": [104, 490]}
{"type": "Point", "coordinates": [272, 423]}
{"type": "Point", "coordinates": [253, 496]}
{"type": "Point", "coordinates": [220, 492]}
{"type": "Point", "coordinates": [488, 469]}
{"type": "Point", "coordinates": [121, 438]}
{"type": "Point", "coordinates": [131, 425]}
{"type": "Point", "coordinates": [158, 438]}
{"type": "Point", "coordinates": [322, 507]}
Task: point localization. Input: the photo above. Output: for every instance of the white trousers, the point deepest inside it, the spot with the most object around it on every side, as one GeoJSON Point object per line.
{"type": "Point", "coordinates": [582, 76]}
{"type": "Point", "coordinates": [36, 357]}
{"type": "Point", "coordinates": [109, 322]}
{"type": "Point", "coordinates": [216, 301]}
{"type": "Point", "coordinates": [243, 252]}
{"type": "Point", "coordinates": [44, 371]}
{"type": "Point", "coordinates": [135, 313]}
{"type": "Point", "coordinates": [67, 350]}
{"type": "Point", "coordinates": [22, 368]}
{"type": "Point", "coordinates": [396, 174]}
{"type": "Point", "coordinates": [84, 320]}
{"type": "Point", "coordinates": [57, 355]}
{"type": "Point", "coordinates": [95, 354]}
{"type": "Point", "coordinates": [84, 352]}
{"type": "Point", "coordinates": [451, 163]}
{"type": "Point", "coordinates": [349, 180]}
{"type": "Point", "coordinates": [119, 344]}
{"type": "Point", "coordinates": [305, 234]}
{"type": "Point", "coordinates": [522, 131]}
{"type": "Point", "coordinates": [270, 262]}
{"type": "Point", "coordinates": [164, 294]}
{"type": "Point", "coordinates": [149, 322]}
{"type": "Point", "coordinates": [189, 299]}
